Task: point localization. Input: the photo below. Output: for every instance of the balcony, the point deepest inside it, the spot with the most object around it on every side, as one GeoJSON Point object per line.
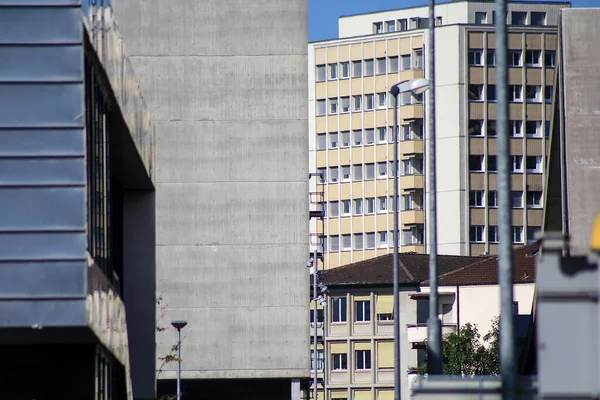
{"type": "Point", "coordinates": [411, 112]}
{"type": "Point", "coordinates": [410, 147]}
{"type": "Point", "coordinates": [412, 217]}
{"type": "Point", "coordinates": [411, 182]}
{"type": "Point", "coordinates": [417, 333]}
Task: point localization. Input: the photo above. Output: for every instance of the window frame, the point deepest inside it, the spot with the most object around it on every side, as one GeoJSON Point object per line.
{"type": "Point", "coordinates": [362, 311]}
{"type": "Point", "coordinates": [339, 307]}
{"type": "Point", "coordinates": [364, 359]}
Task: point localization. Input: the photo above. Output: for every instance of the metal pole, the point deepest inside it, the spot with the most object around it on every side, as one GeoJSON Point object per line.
{"type": "Point", "coordinates": [434, 331]}
{"type": "Point", "coordinates": [505, 270]}
{"type": "Point", "coordinates": [315, 332]}
{"type": "Point", "coordinates": [395, 91]}
{"type": "Point", "coordinates": [178, 364]}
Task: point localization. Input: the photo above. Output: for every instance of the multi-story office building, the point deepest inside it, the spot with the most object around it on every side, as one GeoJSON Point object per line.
{"type": "Point", "coordinates": [351, 127]}
{"type": "Point", "coordinates": [227, 98]}
{"type": "Point", "coordinates": [77, 277]}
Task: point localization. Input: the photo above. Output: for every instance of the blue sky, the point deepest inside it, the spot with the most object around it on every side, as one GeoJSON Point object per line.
{"type": "Point", "coordinates": [323, 14]}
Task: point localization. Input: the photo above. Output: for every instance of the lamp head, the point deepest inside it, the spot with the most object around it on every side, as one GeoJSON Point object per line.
{"type": "Point", "coordinates": [179, 324]}
{"type": "Point", "coordinates": [419, 85]}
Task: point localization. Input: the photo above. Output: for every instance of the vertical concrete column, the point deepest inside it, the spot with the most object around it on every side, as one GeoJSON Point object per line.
{"type": "Point", "coordinates": [296, 392]}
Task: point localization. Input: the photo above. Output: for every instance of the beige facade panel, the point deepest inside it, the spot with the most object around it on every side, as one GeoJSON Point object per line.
{"type": "Point", "coordinates": [357, 225]}
{"type": "Point", "coordinates": [332, 123]}
{"type": "Point", "coordinates": [476, 110]}
{"type": "Point", "coordinates": [476, 40]}
{"type": "Point", "coordinates": [548, 110]}
{"type": "Point", "coordinates": [515, 111]}
{"type": "Point", "coordinates": [382, 189]}
{"type": "Point", "coordinates": [535, 182]}
{"type": "Point", "coordinates": [405, 46]}
{"type": "Point", "coordinates": [417, 248]}
{"type": "Point", "coordinates": [333, 262]}
{"type": "Point", "coordinates": [385, 395]}
{"type": "Point", "coordinates": [356, 86]}
{"type": "Point", "coordinates": [332, 54]}
{"type": "Point", "coordinates": [492, 216]}
{"type": "Point", "coordinates": [369, 119]}
{"type": "Point", "coordinates": [320, 56]}
{"type": "Point", "coordinates": [333, 157]}
{"type": "Point", "coordinates": [333, 227]}
{"type": "Point", "coordinates": [362, 345]}
{"type": "Point", "coordinates": [534, 112]}
{"type": "Point", "coordinates": [476, 146]}
{"type": "Point", "coordinates": [476, 181]}
{"type": "Point", "coordinates": [515, 76]}
{"type": "Point", "coordinates": [516, 181]}
{"type": "Point", "coordinates": [491, 76]}
{"type": "Point", "coordinates": [370, 254]}
{"type": "Point", "coordinates": [357, 188]}
{"type": "Point", "coordinates": [381, 117]}
{"type": "Point", "coordinates": [492, 181]}
{"type": "Point", "coordinates": [338, 394]}
{"type": "Point", "coordinates": [515, 146]}
{"type": "Point", "coordinates": [535, 147]}
{"type": "Point", "coordinates": [515, 41]}
{"type": "Point", "coordinates": [356, 120]}
{"type": "Point", "coordinates": [369, 155]}
{"type": "Point", "coordinates": [533, 41]}
{"type": "Point", "coordinates": [369, 187]}
{"type": "Point", "coordinates": [344, 87]}
{"type": "Point", "coordinates": [332, 192]}
{"type": "Point", "coordinates": [345, 189]}
{"type": "Point", "coordinates": [492, 110]}
{"type": "Point", "coordinates": [534, 217]}
{"type": "Point", "coordinates": [491, 40]}
{"type": "Point", "coordinates": [392, 47]}
{"type": "Point", "coordinates": [369, 84]}
{"type": "Point", "coordinates": [321, 158]}
{"type": "Point", "coordinates": [369, 221]}
{"type": "Point", "coordinates": [412, 217]}
{"type": "Point", "coordinates": [392, 79]}
{"type": "Point", "coordinates": [332, 89]}
{"type": "Point", "coordinates": [345, 156]}
{"type": "Point", "coordinates": [357, 155]}
{"type": "Point", "coordinates": [344, 122]}
{"type": "Point", "coordinates": [321, 90]}
{"type": "Point", "coordinates": [517, 217]}
{"type": "Point", "coordinates": [384, 304]}
{"type": "Point", "coordinates": [410, 74]}
{"type": "Point", "coordinates": [411, 182]}
{"type": "Point", "coordinates": [550, 41]}
{"type": "Point", "coordinates": [368, 50]}
{"type": "Point", "coordinates": [417, 42]}
{"type": "Point", "coordinates": [361, 394]}
{"type": "Point", "coordinates": [380, 48]}
{"type": "Point", "coordinates": [493, 248]}
{"type": "Point", "coordinates": [381, 151]}
{"type": "Point", "coordinates": [380, 83]}
{"type": "Point", "coordinates": [385, 354]}
{"type": "Point", "coordinates": [411, 147]}
{"type": "Point", "coordinates": [321, 124]}
{"type": "Point", "coordinates": [383, 222]}
{"type": "Point", "coordinates": [476, 75]}
{"type": "Point", "coordinates": [344, 53]}
{"type": "Point", "coordinates": [477, 216]}
{"type": "Point", "coordinates": [345, 225]}
{"type": "Point", "coordinates": [338, 348]}
{"type": "Point", "coordinates": [356, 51]}
{"type": "Point", "coordinates": [411, 112]}
{"type": "Point", "coordinates": [534, 76]}
{"type": "Point", "coordinates": [491, 149]}
{"type": "Point", "coordinates": [477, 249]}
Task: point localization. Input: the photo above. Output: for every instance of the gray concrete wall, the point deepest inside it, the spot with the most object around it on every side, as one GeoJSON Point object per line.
{"type": "Point", "coordinates": [581, 69]}
{"type": "Point", "coordinates": [226, 87]}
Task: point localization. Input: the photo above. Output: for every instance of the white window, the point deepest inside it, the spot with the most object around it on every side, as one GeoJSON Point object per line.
{"type": "Point", "coordinates": [333, 71]}
{"type": "Point", "coordinates": [369, 136]}
{"type": "Point", "coordinates": [492, 198]}
{"type": "Point", "coordinates": [345, 103]}
{"type": "Point", "coordinates": [358, 206]}
{"type": "Point", "coordinates": [381, 65]}
{"type": "Point", "coordinates": [382, 239]}
{"type": "Point", "coordinates": [382, 204]}
{"type": "Point", "coordinates": [370, 240]}
{"type": "Point", "coordinates": [322, 174]}
{"type": "Point", "coordinates": [516, 93]}
{"type": "Point", "coordinates": [334, 174]}
{"type": "Point", "coordinates": [490, 58]}
{"type": "Point", "coordinates": [347, 242]}
{"type": "Point", "coordinates": [514, 58]}
{"type": "Point", "coordinates": [369, 100]}
{"type": "Point", "coordinates": [517, 163]}
{"type": "Point", "coordinates": [363, 359]}
{"type": "Point", "coordinates": [321, 141]}
{"type": "Point", "coordinates": [357, 137]}
{"type": "Point", "coordinates": [369, 171]}
{"type": "Point", "coordinates": [476, 92]}
{"type": "Point", "coordinates": [357, 102]}
{"type": "Point", "coordinates": [346, 210]}
{"type": "Point", "coordinates": [333, 140]}
{"type": "Point", "coordinates": [534, 94]}
{"type": "Point", "coordinates": [381, 134]}
{"type": "Point", "coordinates": [532, 58]}
{"type": "Point", "coordinates": [321, 107]}
{"type": "Point", "coordinates": [516, 199]}
{"type": "Point", "coordinates": [345, 173]}
{"type": "Point", "coordinates": [362, 310]}
{"type": "Point", "coordinates": [334, 243]}
{"type": "Point", "coordinates": [368, 67]}
{"type": "Point", "coordinates": [378, 27]}
{"type": "Point", "coordinates": [534, 199]}
{"type": "Point", "coordinates": [549, 58]}
{"type": "Point", "coordinates": [381, 100]}
{"type": "Point", "coordinates": [492, 232]}
{"type": "Point", "coordinates": [402, 24]}
{"type": "Point", "coordinates": [480, 18]}
{"type": "Point", "coordinates": [334, 209]}
{"type": "Point", "coordinates": [534, 164]}
{"type": "Point", "coordinates": [517, 232]}
{"type": "Point", "coordinates": [475, 57]}
{"type": "Point", "coordinates": [548, 94]}
{"type": "Point", "coordinates": [476, 233]}
{"type": "Point", "coordinates": [338, 309]}
{"type": "Point", "coordinates": [405, 98]}
{"type": "Point", "coordinates": [333, 105]}
{"type": "Point", "coordinates": [438, 21]}
{"type": "Point", "coordinates": [516, 128]}
{"type": "Point", "coordinates": [382, 170]}
{"type": "Point", "coordinates": [344, 69]}
{"type": "Point", "coordinates": [345, 139]}
{"type": "Point", "coordinates": [357, 172]}
{"type": "Point", "coordinates": [390, 26]}
{"type": "Point", "coordinates": [518, 18]}
{"type": "Point", "coordinates": [476, 163]}
{"type": "Point", "coordinates": [321, 73]}
{"type": "Point", "coordinates": [339, 362]}
{"type": "Point", "coordinates": [533, 128]}
{"type": "Point", "coordinates": [358, 241]}
{"type": "Point", "coordinates": [320, 359]}
{"type": "Point", "coordinates": [405, 62]}
{"type": "Point", "coordinates": [538, 18]}
{"type": "Point", "coordinates": [418, 59]}
{"type": "Point", "coordinates": [393, 67]}
{"type": "Point", "coordinates": [476, 198]}
{"type": "Point", "coordinates": [492, 164]}
{"type": "Point", "coordinates": [370, 205]}
{"type": "Point", "coordinates": [357, 69]}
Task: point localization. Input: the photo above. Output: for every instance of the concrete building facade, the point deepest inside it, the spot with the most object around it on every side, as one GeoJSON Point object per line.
{"type": "Point", "coordinates": [226, 83]}
{"type": "Point", "coordinates": [351, 127]}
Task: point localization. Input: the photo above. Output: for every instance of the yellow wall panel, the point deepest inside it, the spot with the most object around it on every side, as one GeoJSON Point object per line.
{"type": "Point", "coordinates": [333, 227]}
{"type": "Point", "coordinates": [515, 76]}
{"type": "Point", "coordinates": [516, 181]}
{"type": "Point", "coordinates": [368, 118]}
{"type": "Point", "coordinates": [339, 348]}
{"type": "Point", "coordinates": [380, 84]}
{"type": "Point", "coordinates": [332, 123]}
{"type": "Point", "coordinates": [533, 41]}
{"type": "Point", "coordinates": [332, 89]}
{"type": "Point", "coordinates": [476, 181]}
{"type": "Point", "coordinates": [357, 157]}
{"type": "Point", "coordinates": [345, 190]}
{"type": "Point", "coordinates": [345, 257]}
{"type": "Point", "coordinates": [382, 222]}
{"type": "Point", "coordinates": [534, 112]}
{"type": "Point", "coordinates": [321, 124]}
{"type": "Point", "coordinates": [417, 42]}
{"type": "Point", "coordinates": [515, 111]}
{"type": "Point", "coordinates": [534, 147]}
{"type": "Point", "coordinates": [344, 157]}
{"type": "Point", "coordinates": [491, 40]}
{"type": "Point", "coordinates": [337, 394]}
{"type": "Point", "coordinates": [369, 188]}
{"type": "Point", "coordinates": [534, 76]}
{"type": "Point", "coordinates": [476, 110]}
{"type": "Point", "coordinates": [405, 46]}
{"type": "Point", "coordinates": [344, 122]}
{"type": "Point", "coordinates": [380, 48]}
{"type": "Point", "coordinates": [345, 226]}
{"type": "Point", "coordinates": [356, 87]}
{"type": "Point", "coordinates": [516, 146]}
{"type": "Point", "coordinates": [370, 253]}
{"type": "Point", "coordinates": [476, 75]}
{"type": "Point", "coordinates": [477, 216]}
{"type": "Point", "coordinates": [357, 225]}
{"type": "Point", "coordinates": [491, 76]}
{"type": "Point", "coordinates": [381, 118]}
{"type": "Point", "coordinates": [392, 47]}
{"type": "Point", "coordinates": [382, 189]}
{"type": "Point", "coordinates": [534, 217]}
{"type": "Point", "coordinates": [321, 158]}
{"type": "Point", "coordinates": [385, 395]}
{"type": "Point", "coordinates": [332, 54]}
{"type": "Point", "coordinates": [357, 120]}
{"type": "Point", "coordinates": [356, 51]}
{"type": "Point", "coordinates": [368, 50]}
{"type": "Point", "coordinates": [333, 261]}
{"type": "Point", "coordinates": [361, 395]}
{"type": "Point", "coordinates": [344, 53]}
{"type": "Point", "coordinates": [549, 77]}
{"type": "Point", "coordinates": [385, 354]}
{"type": "Point", "coordinates": [535, 181]}
{"type": "Point", "coordinates": [321, 90]}
{"type": "Point", "coordinates": [345, 88]}
{"type": "Point", "coordinates": [381, 152]}
{"type": "Point", "coordinates": [550, 42]}
{"type": "Point", "coordinates": [357, 189]}
{"type": "Point", "coordinates": [491, 146]}
{"type": "Point", "coordinates": [369, 224]}
{"type": "Point", "coordinates": [362, 345]}
{"type": "Point", "coordinates": [515, 41]}
{"type": "Point", "coordinates": [493, 216]}
{"type": "Point", "coordinates": [320, 56]}
{"type": "Point", "coordinates": [517, 218]}
{"type": "Point", "coordinates": [368, 85]}
{"type": "Point", "coordinates": [476, 40]}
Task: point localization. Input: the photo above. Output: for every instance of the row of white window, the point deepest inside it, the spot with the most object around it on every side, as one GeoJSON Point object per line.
{"type": "Point", "coordinates": [366, 206]}
{"type": "Point", "coordinates": [533, 164]}
{"type": "Point", "coordinates": [533, 93]}
{"type": "Point", "coordinates": [477, 198]}
{"type": "Point", "coordinates": [371, 240]}
{"type": "Point", "coordinates": [339, 362]}
{"type": "Point", "coordinates": [369, 67]}
{"type": "Point", "coordinates": [533, 58]}
{"type": "Point", "coordinates": [403, 24]}
{"type": "Point", "coordinates": [360, 172]}
{"type": "Point", "coordinates": [360, 137]}
{"type": "Point", "coordinates": [477, 234]}
{"type": "Point", "coordinates": [366, 102]}
{"type": "Point", "coordinates": [532, 128]}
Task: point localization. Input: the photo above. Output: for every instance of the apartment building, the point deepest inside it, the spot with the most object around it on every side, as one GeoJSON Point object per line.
{"type": "Point", "coordinates": [351, 133]}
{"type": "Point", "coordinates": [355, 352]}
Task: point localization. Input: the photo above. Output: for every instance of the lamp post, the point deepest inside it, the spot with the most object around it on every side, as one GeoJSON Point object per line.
{"type": "Point", "coordinates": [413, 86]}
{"type": "Point", "coordinates": [179, 325]}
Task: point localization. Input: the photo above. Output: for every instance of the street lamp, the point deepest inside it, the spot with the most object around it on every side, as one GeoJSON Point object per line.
{"type": "Point", "coordinates": [179, 325]}
{"type": "Point", "coordinates": [413, 86]}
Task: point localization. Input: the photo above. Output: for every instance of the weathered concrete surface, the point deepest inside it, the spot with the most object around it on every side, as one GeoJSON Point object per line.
{"type": "Point", "coordinates": [226, 86]}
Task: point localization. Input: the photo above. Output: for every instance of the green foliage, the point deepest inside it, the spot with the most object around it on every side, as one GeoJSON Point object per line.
{"type": "Point", "coordinates": [465, 355]}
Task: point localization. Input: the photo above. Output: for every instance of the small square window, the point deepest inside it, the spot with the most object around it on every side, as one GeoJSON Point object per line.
{"type": "Point", "coordinates": [476, 234]}
{"type": "Point", "coordinates": [334, 175]}
{"type": "Point", "coordinates": [492, 198]}
{"type": "Point", "coordinates": [321, 73]}
{"type": "Point", "coordinates": [476, 163]}
{"type": "Point", "coordinates": [534, 164]}
{"type": "Point", "coordinates": [358, 241]}
{"type": "Point", "coordinates": [358, 206]}
{"type": "Point", "coordinates": [381, 134]}
{"type": "Point", "coordinates": [516, 163]}
{"type": "Point", "coordinates": [334, 243]}
{"type": "Point", "coordinates": [490, 58]}
{"type": "Point", "coordinates": [357, 102]}
{"type": "Point", "coordinates": [382, 204]}
{"type": "Point", "coordinates": [346, 209]}
{"type": "Point", "coordinates": [475, 127]}
{"type": "Point", "coordinates": [393, 67]}
{"type": "Point", "coordinates": [381, 66]}
{"type": "Point", "coordinates": [538, 18]}
{"type": "Point", "coordinates": [518, 18]}
{"type": "Point", "coordinates": [480, 18]}
{"type": "Point", "coordinates": [492, 164]}
{"type": "Point", "coordinates": [370, 240]}
{"type": "Point", "coordinates": [369, 102]}
{"type": "Point", "coordinates": [516, 199]}
{"type": "Point", "coordinates": [490, 127]}
{"type": "Point", "coordinates": [369, 171]}
{"type": "Point", "coordinates": [532, 58]}
{"type": "Point", "coordinates": [534, 199]}
{"type": "Point", "coordinates": [382, 170]}
{"type": "Point", "coordinates": [378, 27]}
{"type": "Point", "coordinates": [516, 93]}
{"type": "Point", "coordinates": [390, 26]}
{"type": "Point", "coordinates": [357, 137]}
{"type": "Point", "coordinates": [381, 100]}
{"type": "Point", "coordinates": [532, 232]}
{"type": "Point", "coordinates": [382, 239]}
{"type": "Point", "coordinates": [476, 92]}
{"type": "Point", "coordinates": [334, 209]}
{"type": "Point", "coordinates": [514, 58]}
{"type": "Point", "coordinates": [321, 141]}
{"type": "Point", "coordinates": [476, 198]}
{"type": "Point", "coordinates": [357, 69]}
{"type": "Point", "coordinates": [321, 107]}
{"type": "Point", "coordinates": [369, 136]}
{"type": "Point", "coordinates": [345, 173]}
{"type": "Point", "coordinates": [405, 62]}
{"type": "Point", "coordinates": [347, 242]}
{"type": "Point", "coordinates": [368, 67]}
{"type": "Point", "coordinates": [516, 128]}
{"type": "Point", "coordinates": [491, 92]}
{"type": "Point", "coordinates": [345, 104]}
{"type": "Point", "coordinates": [344, 69]}
{"type": "Point", "coordinates": [363, 359]}
{"type": "Point", "coordinates": [548, 94]}
{"type": "Point", "coordinates": [333, 140]}
{"type": "Point", "coordinates": [333, 105]}
{"type": "Point", "coordinates": [475, 57]}
{"type": "Point", "coordinates": [370, 205]}
{"type": "Point", "coordinates": [357, 172]}
{"type": "Point", "coordinates": [333, 71]}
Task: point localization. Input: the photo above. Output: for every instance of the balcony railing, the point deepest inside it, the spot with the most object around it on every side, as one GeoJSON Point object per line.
{"type": "Point", "coordinates": [417, 333]}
